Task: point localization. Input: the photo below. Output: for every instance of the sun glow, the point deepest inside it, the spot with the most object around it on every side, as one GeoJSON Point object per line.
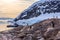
{"type": "Point", "coordinates": [11, 8]}
{"type": "Point", "coordinates": [10, 1]}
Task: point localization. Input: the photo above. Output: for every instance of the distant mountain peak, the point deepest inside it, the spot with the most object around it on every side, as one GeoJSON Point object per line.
{"type": "Point", "coordinates": [39, 11]}
{"type": "Point", "coordinates": [37, 8]}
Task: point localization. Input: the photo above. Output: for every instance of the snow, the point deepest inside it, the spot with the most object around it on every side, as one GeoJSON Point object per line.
{"type": "Point", "coordinates": [34, 20]}
{"type": "Point", "coordinates": [40, 9]}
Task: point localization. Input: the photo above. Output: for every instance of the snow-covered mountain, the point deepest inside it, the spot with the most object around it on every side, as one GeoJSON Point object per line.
{"type": "Point", "coordinates": [38, 11]}
{"type": "Point", "coordinates": [39, 8]}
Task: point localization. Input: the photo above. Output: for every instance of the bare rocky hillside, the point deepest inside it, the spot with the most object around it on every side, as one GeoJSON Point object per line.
{"type": "Point", "coordinates": [45, 30]}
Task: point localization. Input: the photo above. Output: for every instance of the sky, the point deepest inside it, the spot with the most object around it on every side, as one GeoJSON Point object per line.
{"type": "Point", "coordinates": [11, 8]}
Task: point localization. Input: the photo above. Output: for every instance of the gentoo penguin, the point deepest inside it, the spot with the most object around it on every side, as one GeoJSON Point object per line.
{"type": "Point", "coordinates": [37, 12]}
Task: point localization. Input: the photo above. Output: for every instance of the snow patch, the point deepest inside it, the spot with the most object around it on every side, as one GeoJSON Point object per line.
{"type": "Point", "coordinates": [34, 20]}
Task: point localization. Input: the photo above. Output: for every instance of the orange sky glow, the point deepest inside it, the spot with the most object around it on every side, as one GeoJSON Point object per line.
{"type": "Point", "coordinates": [11, 8]}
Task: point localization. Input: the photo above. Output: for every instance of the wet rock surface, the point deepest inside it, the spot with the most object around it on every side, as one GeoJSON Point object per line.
{"type": "Point", "coordinates": [44, 30]}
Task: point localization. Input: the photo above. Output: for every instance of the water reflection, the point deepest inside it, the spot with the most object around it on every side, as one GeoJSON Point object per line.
{"type": "Point", "coordinates": [5, 20]}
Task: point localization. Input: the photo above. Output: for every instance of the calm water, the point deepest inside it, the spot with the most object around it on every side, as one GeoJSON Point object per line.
{"type": "Point", "coordinates": [3, 23]}
{"type": "Point", "coordinates": [5, 20]}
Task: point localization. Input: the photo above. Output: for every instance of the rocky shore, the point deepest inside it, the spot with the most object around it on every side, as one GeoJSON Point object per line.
{"type": "Point", "coordinates": [45, 30]}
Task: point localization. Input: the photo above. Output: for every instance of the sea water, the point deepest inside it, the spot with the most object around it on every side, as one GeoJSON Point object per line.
{"type": "Point", "coordinates": [5, 20]}
{"type": "Point", "coordinates": [3, 23]}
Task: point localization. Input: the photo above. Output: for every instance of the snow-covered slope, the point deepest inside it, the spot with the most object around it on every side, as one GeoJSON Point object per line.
{"type": "Point", "coordinates": [33, 20]}
{"type": "Point", "coordinates": [38, 11]}
{"type": "Point", "coordinates": [39, 8]}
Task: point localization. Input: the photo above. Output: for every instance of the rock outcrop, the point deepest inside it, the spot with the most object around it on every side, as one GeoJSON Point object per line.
{"type": "Point", "coordinates": [44, 30]}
